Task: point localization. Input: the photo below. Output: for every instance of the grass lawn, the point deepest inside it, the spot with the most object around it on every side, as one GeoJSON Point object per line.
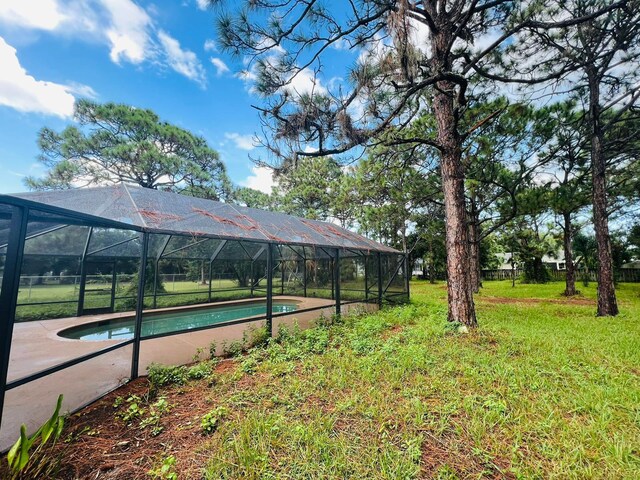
{"type": "Point", "coordinates": [178, 293]}
{"type": "Point", "coordinates": [56, 293]}
{"type": "Point", "coordinates": [543, 389]}
{"type": "Point", "coordinates": [64, 298]}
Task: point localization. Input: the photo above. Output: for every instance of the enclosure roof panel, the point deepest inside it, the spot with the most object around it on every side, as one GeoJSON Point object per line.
{"type": "Point", "coordinates": [157, 211]}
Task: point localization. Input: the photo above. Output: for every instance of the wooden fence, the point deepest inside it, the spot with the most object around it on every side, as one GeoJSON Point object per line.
{"type": "Point", "coordinates": [631, 275]}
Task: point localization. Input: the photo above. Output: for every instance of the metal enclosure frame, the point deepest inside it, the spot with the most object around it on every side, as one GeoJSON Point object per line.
{"type": "Point", "coordinates": [20, 210]}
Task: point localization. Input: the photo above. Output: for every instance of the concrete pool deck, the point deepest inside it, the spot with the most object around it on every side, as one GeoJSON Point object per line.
{"type": "Point", "coordinates": [37, 346]}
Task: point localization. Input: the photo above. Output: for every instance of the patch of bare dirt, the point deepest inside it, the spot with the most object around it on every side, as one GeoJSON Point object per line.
{"type": "Point", "coordinates": [442, 457]}
{"type": "Point", "coordinates": [391, 332]}
{"type": "Point", "coordinates": [535, 301]}
{"type": "Point", "coordinates": [98, 445]}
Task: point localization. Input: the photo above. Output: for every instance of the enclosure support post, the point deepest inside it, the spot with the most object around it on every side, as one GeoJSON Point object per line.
{"type": "Point", "coordinates": [407, 274]}
{"type": "Point", "coordinates": [113, 286]}
{"type": "Point", "coordinates": [366, 278]}
{"type": "Point", "coordinates": [379, 279]}
{"type": "Point", "coordinates": [156, 265]}
{"type": "Point", "coordinates": [269, 290]}
{"type": "Point", "coordinates": [83, 273]}
{"type": "Point", "coordinates": [333, 281]}
{"type": "Point", "coordinates": [156, 268]}
{"type": "Point", "coordinates": [251, 279]}
{"type": "Point", "coordinates": [304, 277]}
{"type": "Point", "coordinates": [210, 278]}
{"type": "Point", "coordinates": [281, 271]}
{"type": "Point", "coordinates": [393, 277]}
{"type": "Point", "coordinates": [304, 273]}
{"type": "Point", "coordinates": [211, 260]}
{"type": "Point", "coordinates": [139, 307]}
{"type": "Point", "coordinates": [337, 281]}
{"type": "Point", "coordinates": [9, 292]}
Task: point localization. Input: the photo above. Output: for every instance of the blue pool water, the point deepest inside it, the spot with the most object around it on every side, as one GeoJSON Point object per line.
{"type": "Point", "coordinates": [154, 324]}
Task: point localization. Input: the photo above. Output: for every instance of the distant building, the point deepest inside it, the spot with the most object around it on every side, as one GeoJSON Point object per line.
{"type": "Point", "coordinates": [418, 268]}
{"type": "Point", "coordinates": [553, 262]}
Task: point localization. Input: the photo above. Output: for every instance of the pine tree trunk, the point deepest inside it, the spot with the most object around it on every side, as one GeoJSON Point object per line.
{"type": "Point", "coordinates": [570, 281]}
{"type": "Point", "coordinates": [607, 303]}
{"type": "Point", "coordinates": [432, 266]}
{"type": "Point", "coordinates": [474, 249]}
{"type": "Point", "coordinates": [474, 268]}
{"type": "Point", "coordinates": [460, 296]}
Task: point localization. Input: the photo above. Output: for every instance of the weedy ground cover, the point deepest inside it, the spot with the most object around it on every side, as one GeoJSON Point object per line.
{"type": "Point", "coordinates": [543, 389]}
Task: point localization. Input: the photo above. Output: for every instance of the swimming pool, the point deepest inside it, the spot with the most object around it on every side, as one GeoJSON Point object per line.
{"type": "Point", "coordinates": [154, 324]}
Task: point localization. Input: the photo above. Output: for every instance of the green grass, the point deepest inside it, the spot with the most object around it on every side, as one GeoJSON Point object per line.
{"type": "Point", "coordinates": [178, 293]}
{"type": "Point", "coordinates": [55, 293]}
{"type": "Point", "coordinates": [543, 389]}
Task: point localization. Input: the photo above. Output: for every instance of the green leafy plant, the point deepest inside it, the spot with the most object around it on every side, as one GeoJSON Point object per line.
{"type": "Point", "coordinates": [258, 337]}
{"type": "Point", "coordinates": [211, 420]}
{"type": "Point", "coordinates": [133, 411]}
{"type": "Point", "coordinates": [166, 471]}
{"type": "Point", "coordinates": [233, 349]}
{"type": "Point", "coordinates": [199, 371]}
{"type": "Point", "coordinates": [38, 463]}
{"type": "Point", "coordinates": [162, 375]}
{"type": "Point", "coordinates": [198, 355]}
{"type": "Point", "coordinates": [249, 365]}
{"type": "Point", "coordinates": [156, 410]}
{"type": "Point", "coordinates": [213, 346]}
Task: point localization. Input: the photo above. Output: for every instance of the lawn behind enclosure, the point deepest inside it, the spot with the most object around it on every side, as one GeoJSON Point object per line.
{"type": "Point", "coordinates": [543, 389]}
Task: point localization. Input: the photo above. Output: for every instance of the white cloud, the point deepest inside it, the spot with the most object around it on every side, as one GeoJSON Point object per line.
{"type": "Point", "coordinates": [23, 92]}
{"type": "Point", "coordinates": [80, 90]}
{"type": "Point", "coordinates": [335, 83]}
{"type": "Point", "coordinates": [39, 14]}
{"type": "Point", "coordinates": [221, 67]}
{"type": "Point", "coordinates": [419, 36]}
{"type": "Point", "coordinates": [128, 29]}
{"type": "Point", "coordinates": [122, 24]}
{"type": "Point", "coordinates": [202, 4]}
{"type": "Point", "coordinates": [247, 76]}
{"type": "Point", "coordinates": [128, 33]}
{"type": "Point", "coordinates": [261, 178]}
{"type": "Point", "coordinates": [243, 142]}
{"type": "Point", "coordinates": [341, 44]}
{"type": "Point", "coordinates": [305, 82]}
{"type": "Point", "coordinates": [375, 50]}
{"type": "Point", "coordinates": [210, 45]}
{"type": "Point", "coordinates": [182, 61]}
{"type": "Point", "coordinates": [302, 82]}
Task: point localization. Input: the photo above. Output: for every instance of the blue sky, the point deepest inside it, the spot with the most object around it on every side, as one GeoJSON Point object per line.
{"type": "Point", "coordinates": [160, 55]}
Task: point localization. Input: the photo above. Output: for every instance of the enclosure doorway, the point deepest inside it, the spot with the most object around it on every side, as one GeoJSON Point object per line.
{"type": "Point", "coordinates": [99, 287]}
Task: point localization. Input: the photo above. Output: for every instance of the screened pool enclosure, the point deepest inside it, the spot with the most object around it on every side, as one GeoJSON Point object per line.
{"type": "Point", "coordinates": [98, 283]}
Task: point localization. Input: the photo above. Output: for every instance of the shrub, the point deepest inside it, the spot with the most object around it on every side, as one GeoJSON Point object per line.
{"type": "Point", "coordinates": [233, 349]}
{"type": "Point", "coordinates": [258, 337]}
{"type": "Point", "coordinates": [199, 371]}
{"type": "Point", "coordinates": [161, 375]}
{"type": "Point", "coordinates": [534, 271]}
